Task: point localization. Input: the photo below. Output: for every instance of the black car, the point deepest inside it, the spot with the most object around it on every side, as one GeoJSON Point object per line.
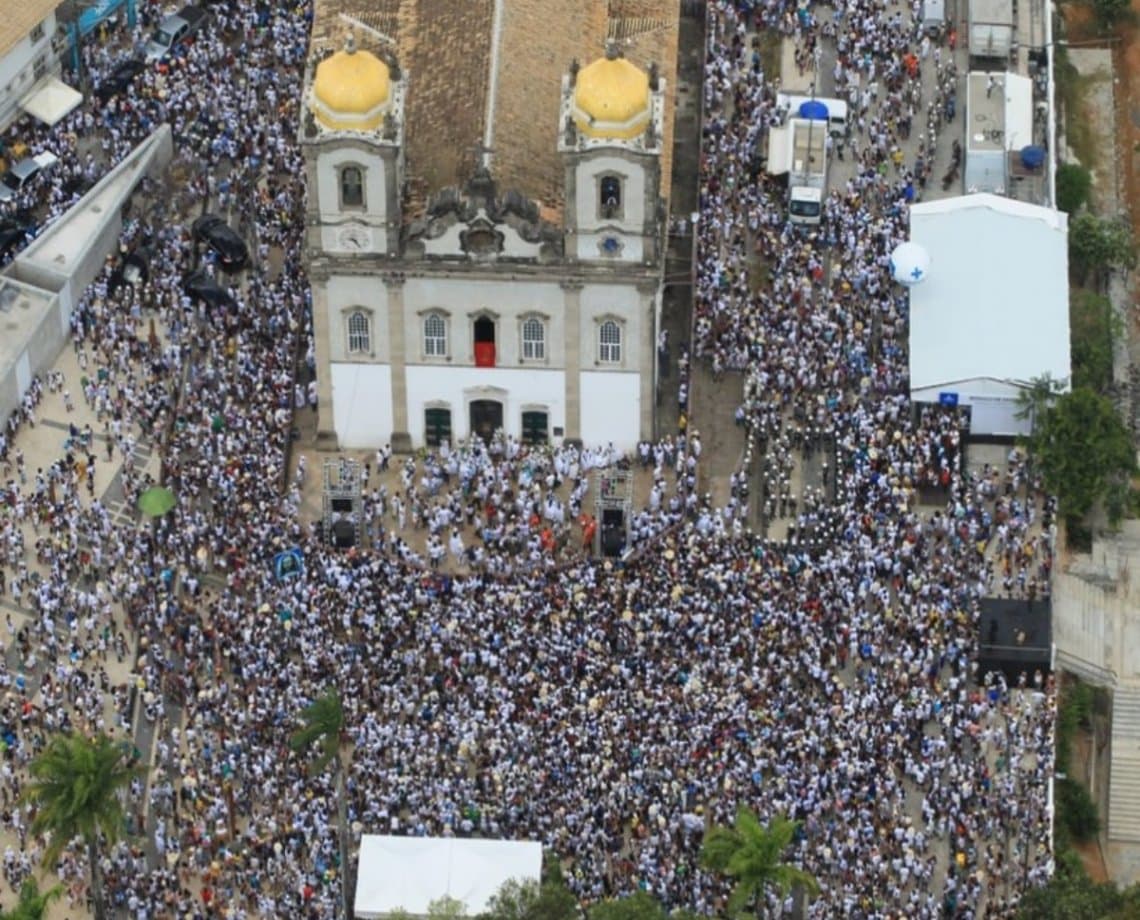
{"type": "Point", "coordinates": [119, 79]}
{"type": "Point", "coordinates": [13, 235]}
{"type": "Point", "coordinates": [223, 239]}
{"type": "Point", "coordinates": [201, 286]}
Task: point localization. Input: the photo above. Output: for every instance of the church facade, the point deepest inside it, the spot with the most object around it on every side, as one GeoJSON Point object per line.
{"type": "Point", "coordinates": [449, 299]}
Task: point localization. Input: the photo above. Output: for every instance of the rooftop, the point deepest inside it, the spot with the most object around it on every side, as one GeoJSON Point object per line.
{"type": "Point", "coordinates": [995, 302]}
{"type": "Point", "coordinates": [20, 18]}
{"type": "Point", "coordinates": [23, 309]}
{"type": "Point", "coordinates": [477, 79]}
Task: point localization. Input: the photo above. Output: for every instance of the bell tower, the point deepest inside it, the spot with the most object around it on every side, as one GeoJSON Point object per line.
{"type": "Point", "coordinates": [611, 140]}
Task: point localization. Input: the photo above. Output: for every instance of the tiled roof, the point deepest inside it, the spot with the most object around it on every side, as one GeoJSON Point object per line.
{"type": "Point", "coordinates": [445, 47]}
{"type": "Point", "coordinates": [20, 18]}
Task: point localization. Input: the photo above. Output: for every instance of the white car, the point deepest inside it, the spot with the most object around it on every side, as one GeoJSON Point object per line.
{"type": "Point", "coordinates": [24, 172]}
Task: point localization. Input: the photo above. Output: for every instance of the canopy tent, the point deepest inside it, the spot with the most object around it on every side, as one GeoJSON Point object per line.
{"type": "Point", "coordinates": [410, 873]}
{"type": "Point", "coordinates": [51, 101]}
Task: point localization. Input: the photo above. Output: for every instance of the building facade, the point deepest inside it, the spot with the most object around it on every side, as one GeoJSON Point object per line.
{"type": "Point", "coordinates": [29, 53]}
{"type": "Point", "coordinates": [453, 308]}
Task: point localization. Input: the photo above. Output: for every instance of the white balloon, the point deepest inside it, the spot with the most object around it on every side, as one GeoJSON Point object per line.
{"type": "Point", "coordinates": [910, 263]}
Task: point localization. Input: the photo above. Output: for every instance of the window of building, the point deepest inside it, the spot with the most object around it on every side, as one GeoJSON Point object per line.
{"type": "Point", "coordinates": [37, 33]}
{"type": "Point", "coordinates": [533, 339]}
{"type": "Point", "coordinates": [535, 427]}
{"type": "Point", "coordinates": [609, 342]}
{"type": "Point", "coordinates": [610, 196]}
{"type": "Point", "coordinates": [41, 67]}
{"type": "Point", "coordinates": [359, 333]}
{"type": "Point", "coordinates": [435, 336]}
{"type": "Point", "coordinates": [351, 187]}
{"type": "Point", "coordinates": [437, 426]}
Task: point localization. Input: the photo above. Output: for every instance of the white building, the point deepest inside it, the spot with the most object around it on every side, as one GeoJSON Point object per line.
{"type": "Point", "coordinates": [993, 311]}
{"type": "Point", "coordinates": [485, 230]}
{"type": "Point", "coordinates": [29, 64]}
{"type": "Point", "coordinates": [999, 123]}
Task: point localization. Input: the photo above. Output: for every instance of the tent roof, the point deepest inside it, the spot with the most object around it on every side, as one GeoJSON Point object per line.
{"type": "Point", "coordinates": [996, 300]}
{"type": "Point", "coordinates": [51, 101]}
{"type": "Point", "coordinates": [411, 872]}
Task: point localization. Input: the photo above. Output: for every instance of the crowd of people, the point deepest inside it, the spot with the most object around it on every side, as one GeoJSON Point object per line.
{"type": "Point", "coordinates": [611, 711]}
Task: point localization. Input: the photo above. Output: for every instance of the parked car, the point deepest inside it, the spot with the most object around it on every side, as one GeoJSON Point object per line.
{"type": "Point", "coordinates": [223, 239]}
{"type": "Point", "coordinates": [200, 285]}
{"type": "Point", "coordinates": [119, 79]}
{"type": "Point", "coordinates": [174, 31]}
{"type": "Point", "coordinates": [16, 178]}
{"type": "Point", "coordinates": [13, 234]}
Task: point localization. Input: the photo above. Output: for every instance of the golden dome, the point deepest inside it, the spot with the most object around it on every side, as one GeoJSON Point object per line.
{"type": "Point", "coordinates": [611, 99]}
{"type": "Point", "coordinates": [352, 90]}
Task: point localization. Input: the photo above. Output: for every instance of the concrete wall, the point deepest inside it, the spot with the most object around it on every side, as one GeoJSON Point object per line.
{"type": "Point", "coordinates": [362, 404]}
{"type": "Point", "coordinates": [42, 339]}
{"type": "Point", "coordinates": [611, 409]}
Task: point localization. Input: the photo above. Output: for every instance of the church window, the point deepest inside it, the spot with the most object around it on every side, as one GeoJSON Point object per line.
{"type": "Point", "coordinates": [609, 342]}
{"type": "Point", "coordinates": [351, 187]}
{"type": "Point", "coordinates": [610, 196]}
{"type": "Point", "coordinates": [435, 336]}
{"type": "Point", "coordinates": [533, 339]}
{"type": "Point", "coordinates": [359, 333]}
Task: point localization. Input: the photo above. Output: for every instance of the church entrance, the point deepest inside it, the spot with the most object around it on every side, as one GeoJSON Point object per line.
{"type": "Point", "coordinates": [486, 417]}
{"type": "Point", "coordinates": [484, 342]}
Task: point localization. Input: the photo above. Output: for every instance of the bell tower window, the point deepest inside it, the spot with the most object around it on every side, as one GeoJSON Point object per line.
{"type": "Point", "coordinates": [351, 187]}
{"type": "Point", "coordinates": [609, 197]}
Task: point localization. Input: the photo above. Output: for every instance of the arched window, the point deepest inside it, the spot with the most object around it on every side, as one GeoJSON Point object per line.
{"type": "Point", "coordinates": [609, 342]}
{"type": "Point", "coordinates": [609, 191]}
{"type": "Point", "coordinates": [351, 187]}
{"type": "Point", "coordinates": [435, 336]}
{"type": "Point", "coordinates": [359, 333]}
{"type": "Point", "coordinates": [533, 339]}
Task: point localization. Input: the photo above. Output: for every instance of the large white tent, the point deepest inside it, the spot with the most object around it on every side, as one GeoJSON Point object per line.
{"type": "Point", "coordinates": [992, 314]}
{"type": "Point", "coordinates": [410, 873]}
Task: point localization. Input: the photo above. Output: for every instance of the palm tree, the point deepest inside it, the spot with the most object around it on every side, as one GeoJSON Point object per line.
{"type": "Point", "coordinates": [75, 785]}
{"type": "Point", "coordinates": [749, 854]}
{"type": "Point", "coordinates": [323, 726]}
{"type": "Point", "coordinates": [33, 903]}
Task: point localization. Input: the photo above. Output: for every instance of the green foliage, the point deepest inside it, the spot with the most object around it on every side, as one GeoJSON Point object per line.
{"type": "Point", "coordinates": [749, 854]}
{"type": "Point", "coordinates": [33, 903]}
{"type": "Point", "coordinates": [323, 725]}
{"type": "Point", "coordinates": [515, 900]}
{"type": "Point", "coordinates": [1110, 12]}
{"type": "Point", "coordinates": [446, 908]}
{"type": "Point", "coordinates": [639, 906]}
{"type": "Point", "coordinates": [75, 783]}
{"type": "Point", "coordinates": [1076, 810]}
{"type": "Point", "coordinates": [1097, 245]}
{"type": "Point", "coordinates": [1083, 450]}
{"type": "Point", "coordinates": [1072, 895]}
{"type": "Point", "coordinates": [1074, 183]}
{"type": "Point", "coordinates": [1093, 328]}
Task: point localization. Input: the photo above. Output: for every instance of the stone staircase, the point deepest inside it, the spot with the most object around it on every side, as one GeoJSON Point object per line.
{"type": "Point", "coordinates": [1124, 781]}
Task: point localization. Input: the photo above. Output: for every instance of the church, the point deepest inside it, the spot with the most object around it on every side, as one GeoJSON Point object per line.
{"type": "Point", "coordinates": [486, 217]}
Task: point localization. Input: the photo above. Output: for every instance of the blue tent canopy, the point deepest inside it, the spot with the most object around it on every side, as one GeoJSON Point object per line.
{"type": "Point", "coordinates": [813, 109]}
{"type": "Point", "coordinates": [1032, 157]}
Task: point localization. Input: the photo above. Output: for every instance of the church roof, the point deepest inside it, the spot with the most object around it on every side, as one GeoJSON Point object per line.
{"type": "Point", "coordinates": [456, 55]}
{"type": "Point", "coordinates": [351, 90]}
{"type": "Point", "coordinates": [611, 99]}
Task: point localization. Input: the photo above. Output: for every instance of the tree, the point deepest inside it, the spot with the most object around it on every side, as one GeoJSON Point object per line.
{"type": "Point", "coordinates": [74, 788]}
{"type": "Point", "coordinates": [323, 731]}
{"type": "Point", "coordinates": [1034, 400]}
{"type": "Point", "coordinates": [749, 854]}
{"type": "Point", "coordinates": [1110, 12]}
{"type": "Point", "coordinates": [1094, 327]}
{"type": "Point", "coordinates": [1072, 895]}
{"type": "Point", "coordinates": [1085, 454]}
{"type": "Point", "coordinates": [33, 903]}
{"type": "Point", "coordinates": [1097, 245]}
{"type": "Point", "coordinates": [446, 908]}
{"type": "Point", "coordinates": [548, 900]}
{"type": "Point", "coordinates": [639, 906]}
{"type": "Point", "coordinates": [1074, 183]}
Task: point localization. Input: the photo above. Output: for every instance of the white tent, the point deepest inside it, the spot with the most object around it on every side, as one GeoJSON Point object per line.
{"type": "Point", "coordinates": [51, 101]}
{"type": "Point", "coordinates": [993, 314]}
{"type": "Point", "coordinates": [410, 873]}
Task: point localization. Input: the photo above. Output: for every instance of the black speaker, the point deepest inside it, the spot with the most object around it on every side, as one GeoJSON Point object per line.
{"type": "Point", "coordinates": [343, 535]}
{"type": "Point", "coordinates": [613, 517]}
{"type": "Point", "coordinates": [342, 505]}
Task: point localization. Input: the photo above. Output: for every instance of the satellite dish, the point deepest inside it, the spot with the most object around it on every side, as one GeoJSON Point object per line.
{"type": "Point", "coordinates": [910, 264]}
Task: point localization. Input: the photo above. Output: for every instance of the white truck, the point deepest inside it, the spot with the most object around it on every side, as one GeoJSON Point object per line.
{"type": "Point", "coordinates": [797, 150]}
